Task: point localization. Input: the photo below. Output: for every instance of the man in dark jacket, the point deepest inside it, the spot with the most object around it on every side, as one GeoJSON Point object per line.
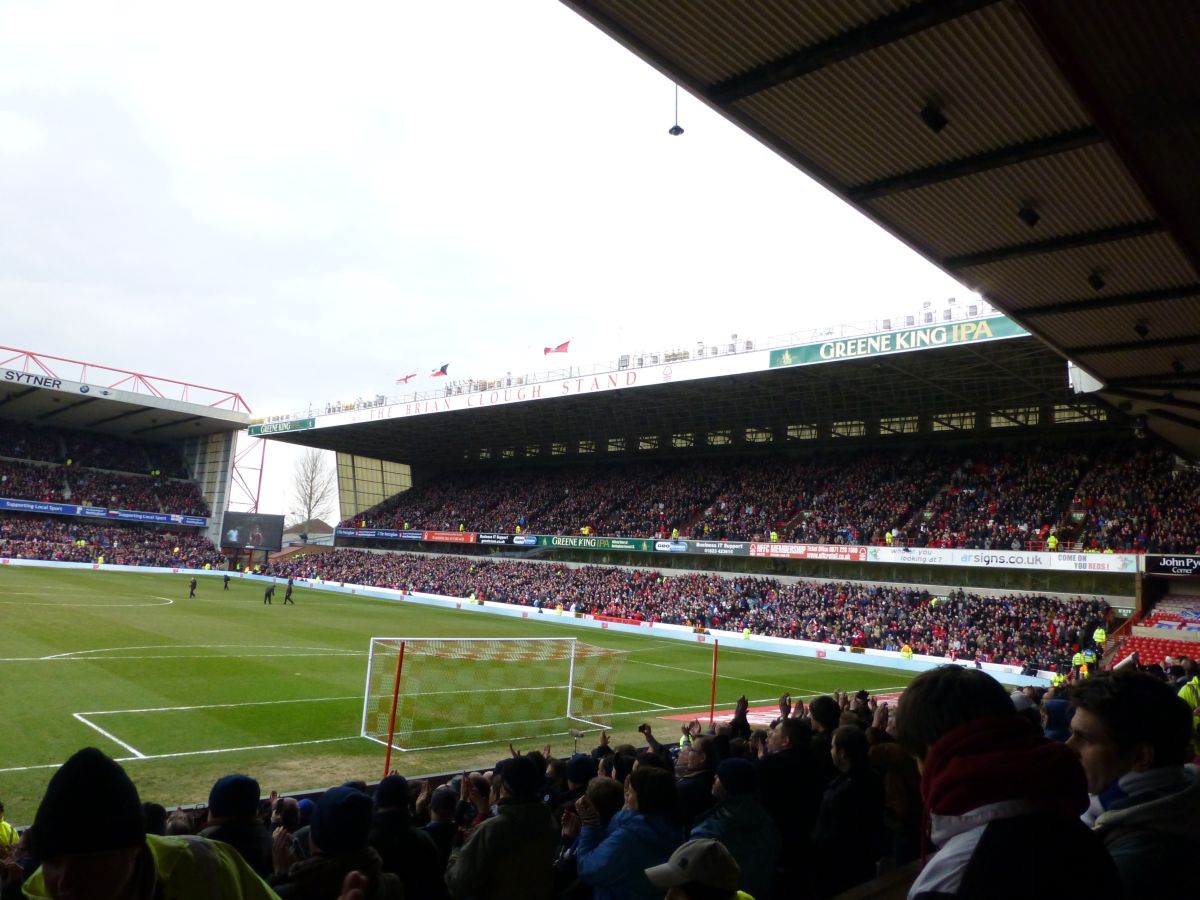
{"type": "Point", "coordinates": [993, 787]}
{"type": "Point", "coordinates": [1132, 733]}
{"type": "Point", "coordinates": [790, 788]}
{"type": "Point", "coordinates": [509, 855]}
{"type": "Point", "coordinates": [846, 839]}
{"type": "Point", "coordinates": [233, 817]}
{"type": "Point", "coordinates": [697, 769]}
{"type": "Point", "coordinates": [740, 822]}
{"type": "Point", "coordinates": [341, 822]}
{"type": "Point", "coordinates": [405, 850]}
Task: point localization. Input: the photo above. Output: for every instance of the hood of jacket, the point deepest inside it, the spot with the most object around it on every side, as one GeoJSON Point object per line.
{"type": "Point", "coordinates": [998, 767]}
{"type": "Point", "coordinates": [654, 830]}
{"type": "Point", "coordinates": [1168, 810]}
{"type": "Point", "coordinates": [1058, 719]}
{"type": "Point", "coordinates": [742, 815]}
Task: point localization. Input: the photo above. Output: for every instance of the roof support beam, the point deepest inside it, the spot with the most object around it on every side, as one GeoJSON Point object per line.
{"type": "Point", "coordinates": [1142, 397]}
{"type": "Point", "coordinates": [1054, 245]}
{"type": "Point", "coordinates": [973, 165]}
{"type": "Point", "coordinates": [894, 27]}
{"type": "Point", "coordinates": [1179, 340]}
{"type": "Point", "coordinates": [1175, 417]}
{"type": "Point", "coordinates": [1094, 304]}
{"type": "Point", "coordinates": [1187, 380]}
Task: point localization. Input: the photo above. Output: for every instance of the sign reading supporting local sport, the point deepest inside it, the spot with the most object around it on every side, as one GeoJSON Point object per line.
{"type": "Point", "coordinates": [971, 331]}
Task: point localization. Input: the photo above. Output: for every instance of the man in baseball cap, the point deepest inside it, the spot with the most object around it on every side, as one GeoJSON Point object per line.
{"type": "Point", "coordinates": [701, 869]}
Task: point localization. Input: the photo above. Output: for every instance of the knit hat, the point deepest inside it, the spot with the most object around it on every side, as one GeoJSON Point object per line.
{"type": "Point", "coordinates": [90, 805]}
{"type": "Point", "coordinates": [444, 801]}
{"type": "Point", "coordinates": [738, 776]}
{"type": "Point", "coordinates": [306, 810]}
{"type": "Point", "coordinates": [341, 821]}
{"type": "Point", "coordinates": [702, 861]}
{"type": "Point", "coordinates": [234, 797]}
{"type": "Point", "coordinates": [520, 776]}
{"type": "Point", "coordinates": [581, 768]}
{"type": "Point", "coordinates": [392, 791]}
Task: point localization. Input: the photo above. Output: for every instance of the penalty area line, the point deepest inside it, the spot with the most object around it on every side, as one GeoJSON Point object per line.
{"type": "Point", "coordinates": [116, 740]}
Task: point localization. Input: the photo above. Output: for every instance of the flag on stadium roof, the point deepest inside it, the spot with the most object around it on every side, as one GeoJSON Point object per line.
{"type": "Point", "coordinates": [406, 378]}
{"type": "Point", "coordinates": [561, 348]}
{"type": "Point", "coordinates": [437, 373]}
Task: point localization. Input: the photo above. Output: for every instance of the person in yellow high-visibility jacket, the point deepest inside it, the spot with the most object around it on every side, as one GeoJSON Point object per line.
{"type": "Point", "coordinates": [1190, 694]}
{"type": "Point", "coordinates": [1099, 637]}
{"type": "Point", "coordinates": [8, 834]}
{"type": "Point", "coordinates": [906, 652]}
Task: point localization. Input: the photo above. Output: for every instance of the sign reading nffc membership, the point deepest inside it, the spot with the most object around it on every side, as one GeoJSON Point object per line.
{"type": "Point", "coordinates": [252, 531]}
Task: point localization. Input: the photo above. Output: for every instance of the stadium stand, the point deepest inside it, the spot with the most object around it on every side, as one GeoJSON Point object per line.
{"type": "Point", "coordinates": [1014, 497]}
{"type": "Point", "coordinates": [1013, 629]}
{"type": "Point", "coordinates": [87, 469]}
{"type": "Point", "coordinates": [27, 536]}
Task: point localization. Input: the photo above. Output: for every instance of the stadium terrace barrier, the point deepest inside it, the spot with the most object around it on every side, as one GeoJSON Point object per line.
{"type": "Point", "coordinates": [1107, 563]}
{"type": "Point", "coordinates": [1006, 674]}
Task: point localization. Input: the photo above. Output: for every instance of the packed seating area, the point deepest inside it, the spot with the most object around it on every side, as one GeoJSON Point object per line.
{"type": "Point", "coordinates": [1011, 629]}
{"type": "Point", "coordinates": [59, 465]}
{"type": "Point", "coordinates": [835, 793]}
{"type": "Point", "coordinates": [1124, 497]}
{"type": "Point", "coordinates": [25, 536]}
{"type": "Point", "coordinates": [1137, 502]}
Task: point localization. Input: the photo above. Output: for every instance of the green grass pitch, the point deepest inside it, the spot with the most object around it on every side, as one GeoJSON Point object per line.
{"type": "Point", "coordinates": [185, 691]}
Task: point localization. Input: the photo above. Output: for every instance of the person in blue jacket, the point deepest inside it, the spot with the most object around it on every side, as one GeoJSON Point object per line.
{"type": "Point", "coordinates": [643, 834]}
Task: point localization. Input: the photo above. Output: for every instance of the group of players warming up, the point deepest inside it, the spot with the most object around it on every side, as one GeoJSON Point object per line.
{"type": "Point", "coordinates": [268, 594]}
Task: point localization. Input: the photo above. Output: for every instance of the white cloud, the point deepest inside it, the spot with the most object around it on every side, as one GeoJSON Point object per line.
{"type": "Point", "coordinates": [314, 198]}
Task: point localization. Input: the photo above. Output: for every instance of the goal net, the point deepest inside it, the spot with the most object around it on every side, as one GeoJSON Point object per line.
{"type": "Point", "coordinates": [455, 692]}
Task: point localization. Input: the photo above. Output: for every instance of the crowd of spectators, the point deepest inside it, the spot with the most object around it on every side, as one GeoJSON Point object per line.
{"type": "Point", "coordinates": [18, 440]}
{"type": "Point", "coordinates": [96, 487]}
{"type": "Point", "coordinates": [1000, 499]}
{"type": "Point", "coordinates": [1051, 496]}
{"type": "Point", "coordinates": [1136, 500]}
{"type": "Point", "coordinates": [30, 481]}
{"type": "Point", "coordinates": [941, 795]}
{"type": "Point", "coordinates": [26, 536]}
{"type": "Point", "coordinates": [1020, 630]}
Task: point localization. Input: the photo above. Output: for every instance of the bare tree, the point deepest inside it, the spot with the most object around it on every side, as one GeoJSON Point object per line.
{"type": "Point", "coordinates": [313, 487]}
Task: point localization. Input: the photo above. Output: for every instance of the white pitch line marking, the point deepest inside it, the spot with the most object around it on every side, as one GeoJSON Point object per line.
{"type": "Point", "coordinates": [153, 709]}
{"type": "Point", "coordinates": [116, 740]}
{"type": "Point", "coordinates": [167, 602]}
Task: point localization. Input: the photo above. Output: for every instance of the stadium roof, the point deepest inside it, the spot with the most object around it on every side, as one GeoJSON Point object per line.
{"type": "Point", "coordinates": [771, 409]}
{"type": "Point", "coordinates": [1044, 153]}
{"type": "Point", "coordinates": [50, 390]}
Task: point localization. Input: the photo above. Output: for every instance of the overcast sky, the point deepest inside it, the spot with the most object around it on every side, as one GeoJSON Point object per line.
{"type": "Point", "coordinates": [304, 201]}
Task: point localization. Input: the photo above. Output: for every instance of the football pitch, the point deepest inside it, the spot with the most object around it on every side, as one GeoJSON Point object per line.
{"type": "Point", "coordinates": [184, 691]}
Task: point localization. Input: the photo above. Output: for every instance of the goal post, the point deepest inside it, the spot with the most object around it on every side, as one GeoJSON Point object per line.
{"type": "Point", "coordinates": [425, 693]}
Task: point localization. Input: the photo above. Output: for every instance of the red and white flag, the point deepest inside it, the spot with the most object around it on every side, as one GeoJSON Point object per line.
{"type": "Point", "coordinates": [561, 348]}
{"type": "Point", "coordinates": [406, 378]}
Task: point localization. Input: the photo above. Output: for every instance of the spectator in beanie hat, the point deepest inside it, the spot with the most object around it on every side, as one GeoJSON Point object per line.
{"type": "Point", "coordinates": [341, 823]}
{"type": "Point", "coordinates": [90, 835]}
{"type": "Point", "coordinates": [233, 818]}
{"type": "Point", "coordinates": [742, 824]}
{"type": "Point", "coordinates": [509, 855]}
{"type": "Point", "coordinates": [407, 851]}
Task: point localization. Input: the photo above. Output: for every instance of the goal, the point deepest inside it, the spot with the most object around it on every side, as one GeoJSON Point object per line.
{"type": "Point", "coordinates": [423, 693]}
